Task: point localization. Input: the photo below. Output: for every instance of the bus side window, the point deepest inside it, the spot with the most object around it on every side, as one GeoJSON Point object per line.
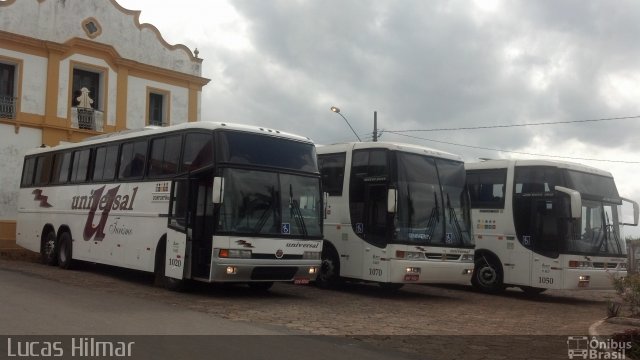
{"type": "Point", "coordinates": [104, 165]}
{"type": "Point", "coordinates": [80, 167]}
{"type": "Point", "coordinates": [198, 151]}
{"type": "Point", "coordinates": [332, 172]}
{"type": "Point", "coordinates": [165, 156]}
{"type": "Point", "coordinates": [61, 163]}
{"type": "Point", "coordinates": [28, 172]}
{"type": "Point", "coordinates": [487, 188]}
{"type": "Point", "coordinates": [43, 170]}
{"type": "Point", "coordinates": [133, 159]}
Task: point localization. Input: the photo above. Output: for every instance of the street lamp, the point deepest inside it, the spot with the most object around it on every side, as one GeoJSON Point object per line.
{"type": "Point", "coordinates": [337, 111]}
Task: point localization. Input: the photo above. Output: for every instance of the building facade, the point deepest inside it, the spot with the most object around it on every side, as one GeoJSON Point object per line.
{"type": "Point", "coordinates": [70, 69]}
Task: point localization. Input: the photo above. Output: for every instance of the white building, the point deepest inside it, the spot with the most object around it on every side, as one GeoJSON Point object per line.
{"type": "Point", "coordinates": [76, 68]}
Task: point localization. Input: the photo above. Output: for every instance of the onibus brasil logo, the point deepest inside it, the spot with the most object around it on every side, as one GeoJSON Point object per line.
{"type": "Point", "coordinates": [593, 348]}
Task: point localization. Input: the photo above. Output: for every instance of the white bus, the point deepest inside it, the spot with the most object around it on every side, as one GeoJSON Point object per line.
{"type": "Point", "coordinates": [545, 225]}
{"type": "Point", "coordinates": [211, 202]}
{"type": "Point", "coordinates": [394, 214]}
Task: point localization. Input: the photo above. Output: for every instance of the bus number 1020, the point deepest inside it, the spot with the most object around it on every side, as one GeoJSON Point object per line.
{"type": "Point", "coordinates": [175, 262]}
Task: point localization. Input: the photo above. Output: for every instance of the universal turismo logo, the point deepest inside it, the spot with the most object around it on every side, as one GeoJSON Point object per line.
{"type": "Point", "coordinates": [594, 348]}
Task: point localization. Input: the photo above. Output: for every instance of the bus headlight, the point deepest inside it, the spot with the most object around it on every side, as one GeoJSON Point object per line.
{"type": "Point", "coordinates": [311, 255]}
{"type": "Point", "coordinates": [234, 253]}
{"type": "Point", "coordinates": [466, 258]}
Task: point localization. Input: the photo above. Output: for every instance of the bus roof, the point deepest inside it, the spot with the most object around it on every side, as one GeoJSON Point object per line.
{"type": "Point", "coordinates": [499, 164]}
{"type": "Point", "coordinates": [394, 146]}
{"type": "Point", "coordinates": [155, 130]}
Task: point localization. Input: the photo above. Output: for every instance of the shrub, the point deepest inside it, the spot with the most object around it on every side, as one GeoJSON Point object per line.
{"type": "Point", "coordinates": [631, 336]}
{"type": "Point", "coordinates": [628, 288]}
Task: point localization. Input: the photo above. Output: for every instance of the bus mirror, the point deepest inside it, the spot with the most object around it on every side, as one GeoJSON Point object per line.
{"type": "Point", "coordinates": [218, 190]}
{"type": "Point", "coordinates": [635, 212]}
{"type": "Point", "coordinates": [576, 201]}
{"type": "Point", "coordinates": [392, 201]}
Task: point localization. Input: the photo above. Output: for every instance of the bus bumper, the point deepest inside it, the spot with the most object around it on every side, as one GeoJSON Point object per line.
{"type": "Point", "coordinates": [247, 270]}
{"type": "Point", "coordinates": [430, 272]}
{"type": "Point", "coordinates": [578, 279]}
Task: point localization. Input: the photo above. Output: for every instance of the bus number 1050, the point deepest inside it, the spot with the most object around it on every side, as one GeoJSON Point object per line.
{"type": "Point", "coordinates": [545, 280]}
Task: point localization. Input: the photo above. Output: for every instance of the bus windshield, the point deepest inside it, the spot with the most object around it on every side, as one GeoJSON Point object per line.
{"type": "Point", "coordinates": [598, 232]}
{"type": "Point", "coordinates": [542, 218]}
{"type": "Point", "coordinates": [432, 202]}
{"type": "Point", "coordinates": [261, 203]}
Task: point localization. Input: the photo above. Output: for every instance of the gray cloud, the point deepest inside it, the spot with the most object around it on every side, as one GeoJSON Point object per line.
{"type": "Point", "coordinates": [434, 64]}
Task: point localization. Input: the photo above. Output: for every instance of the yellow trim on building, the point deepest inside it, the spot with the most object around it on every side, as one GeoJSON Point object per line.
{"type": "Point", "coordinates": [8, 234]}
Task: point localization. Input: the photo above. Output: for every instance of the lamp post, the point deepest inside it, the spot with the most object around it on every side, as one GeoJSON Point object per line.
{"type": "Point", "coordinates": [337, 111]}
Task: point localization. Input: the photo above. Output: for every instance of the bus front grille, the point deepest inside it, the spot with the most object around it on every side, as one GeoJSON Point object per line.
{"type": "Point", "coordinates": [273, 273]}
{"type": "Point", "coordinates": [443, 257]}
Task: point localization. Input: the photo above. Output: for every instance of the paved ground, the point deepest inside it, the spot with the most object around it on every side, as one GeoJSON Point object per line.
{"type": "Point", "coordinates": [527, 328]}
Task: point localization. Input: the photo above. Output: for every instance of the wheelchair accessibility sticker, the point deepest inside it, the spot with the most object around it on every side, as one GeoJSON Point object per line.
{"type": "Point", "coordinates": [359, 228]}
{"type": "Point", "coordinates": [286, 228]}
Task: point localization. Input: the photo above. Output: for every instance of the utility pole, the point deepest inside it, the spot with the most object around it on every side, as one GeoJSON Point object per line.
{"type": "Point", "coordinates": [375, 126]}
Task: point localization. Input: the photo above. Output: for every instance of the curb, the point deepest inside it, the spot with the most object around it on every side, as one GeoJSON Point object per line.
{"type": "Point", "coordinates": [593, 329]}
{"type": "Point", "coordinates": [19, 254]}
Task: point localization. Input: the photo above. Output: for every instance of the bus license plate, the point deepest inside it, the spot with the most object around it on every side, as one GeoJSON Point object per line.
{"type": "Point", "coordinates": [301, 281]}
{"type": "Point", "coordinates": [411, 277]}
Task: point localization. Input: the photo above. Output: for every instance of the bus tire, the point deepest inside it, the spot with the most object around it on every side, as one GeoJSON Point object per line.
{"type": "Point", "coordinates": [260, 286]}
{"type": "Point", "coordinates": [532, 291]}
{"type": "Point", "coordinates": [487, 274]}
{"type": "Point", "coordinates": [65, 251]}
{"type": "Point", "coordinates": [49, 248]}
{"type": "Point", "coordinates": [329, 274]}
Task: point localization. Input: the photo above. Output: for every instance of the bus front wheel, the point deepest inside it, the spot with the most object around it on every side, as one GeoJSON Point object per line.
{"type": "Point", "coordinates": [48, 249]}
{"type": "Point", "coordinates": [329, 274]}
{"type": "Point", "coordinates": [65, 251]}
{"type": "Point", "coordinates": [487, 275]}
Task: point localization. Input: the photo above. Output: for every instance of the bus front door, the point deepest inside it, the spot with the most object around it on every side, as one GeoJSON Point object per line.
{"type": "Point", "coordinates": [376, 227]}
{"type": "Point", "coordinates": [178, 231]}
{"type": "Point", "coordinates": [190, 232]}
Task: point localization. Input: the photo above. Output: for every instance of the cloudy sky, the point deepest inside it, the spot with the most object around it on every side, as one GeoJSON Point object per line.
{"type": "Point", "coordinates": [425, 65]}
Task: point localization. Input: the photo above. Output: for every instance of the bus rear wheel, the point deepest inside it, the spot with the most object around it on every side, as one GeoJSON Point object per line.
{"type": "Point", "coordinates": [48, 255]}
{"type": "Point", "coordinates": [487, 275]}
{"type": "Point", "coordinates": [65, 251]}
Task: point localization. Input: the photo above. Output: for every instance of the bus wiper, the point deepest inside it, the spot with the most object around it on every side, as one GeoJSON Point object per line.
{"type": "Point", "coordinates": [453, 218]}
{"type": "Point", "coordinates": [296, 214]}
{"type": "Point", "coordinates": [434, 218]}
{"type": "Point", "coordinates": [611, 233]}
{"type": "Point", "coordinates": [265, 215]}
